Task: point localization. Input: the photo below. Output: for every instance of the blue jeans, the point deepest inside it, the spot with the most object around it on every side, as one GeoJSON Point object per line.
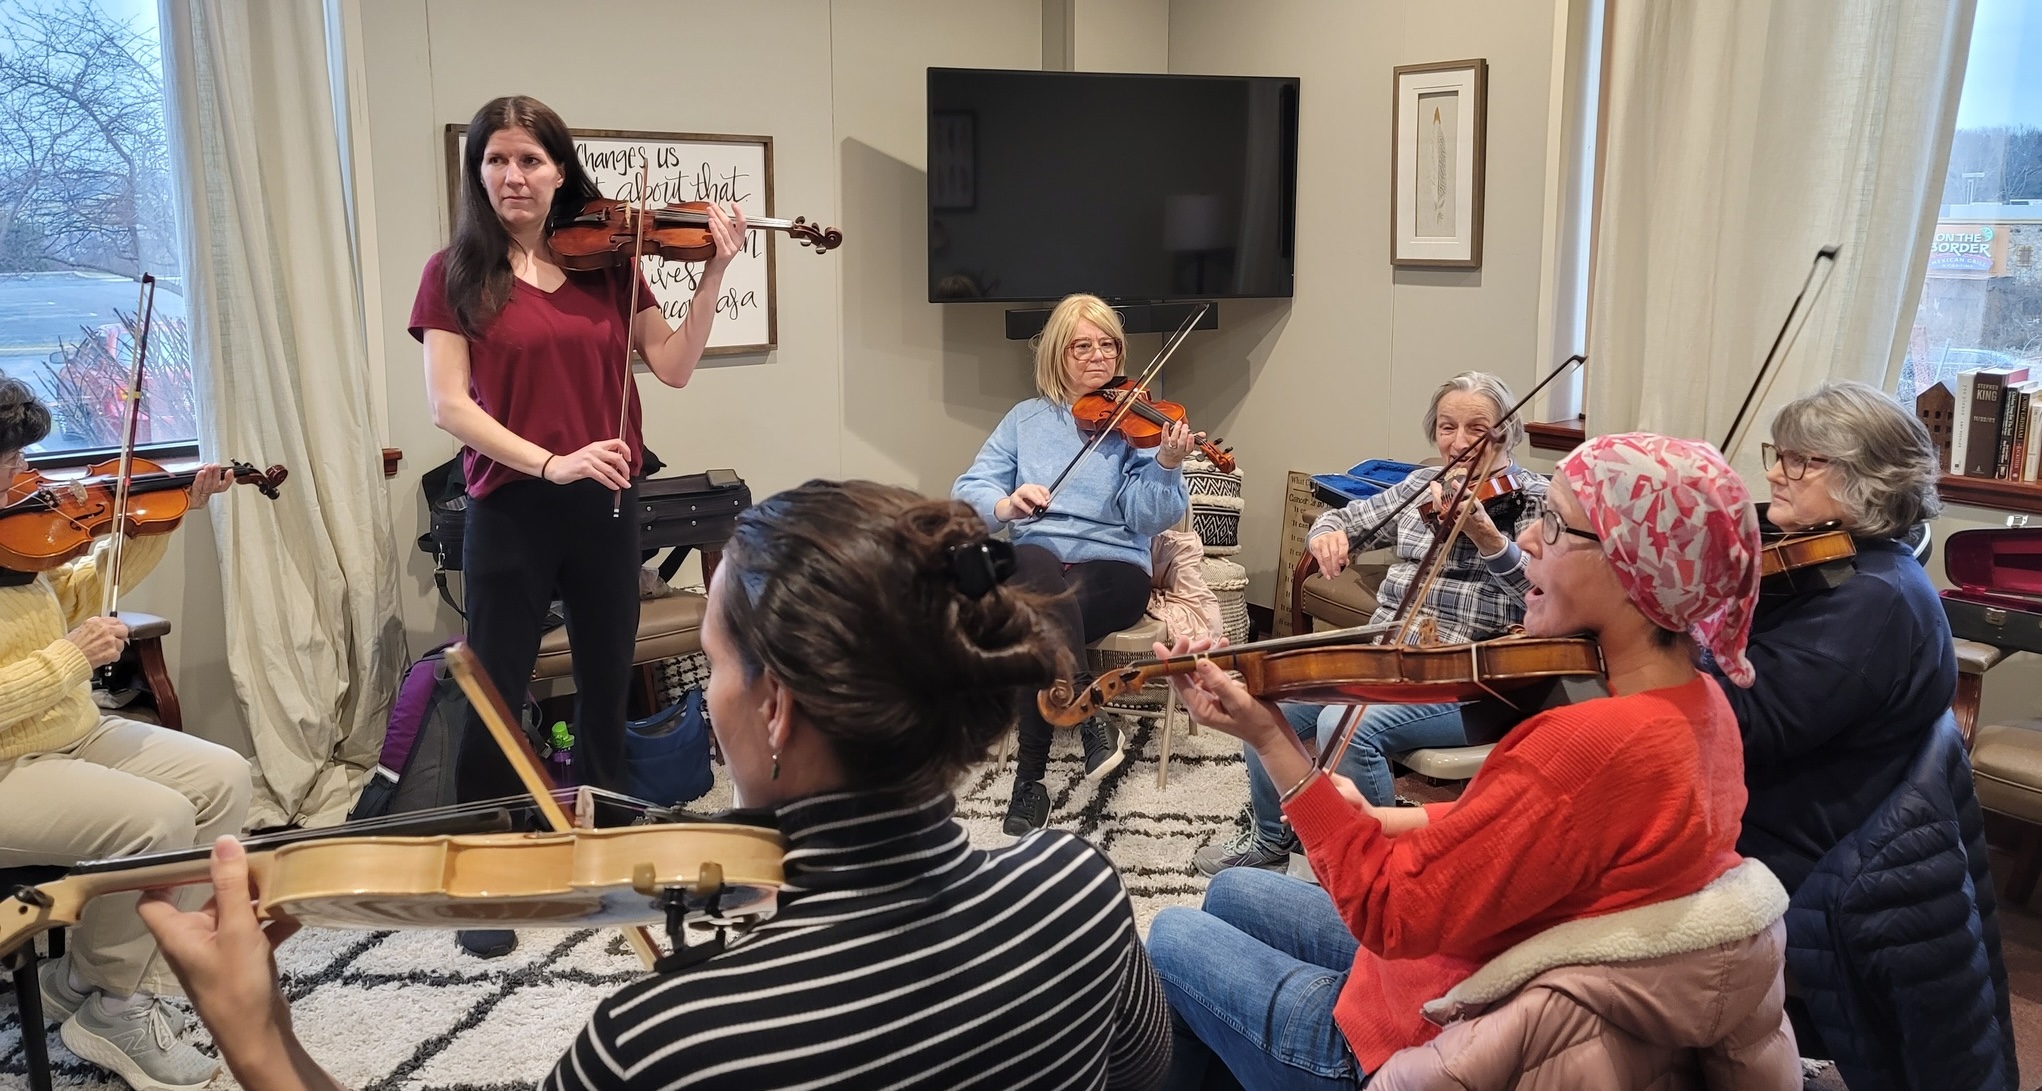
{"type": "Point", "coordinates": [1384, 730]}
{"type": "Point", "coordinates": [1251, 980]}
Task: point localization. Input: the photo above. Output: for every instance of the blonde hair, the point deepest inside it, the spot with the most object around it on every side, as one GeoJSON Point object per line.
{"type": "Point", "coordinates": [1490, 387]}
{"type": "Point", "coordinates": [1051, 381]}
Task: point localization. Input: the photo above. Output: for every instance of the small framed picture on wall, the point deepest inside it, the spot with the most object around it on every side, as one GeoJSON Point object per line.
{"type": "Point", "coordinates": [1437, 143]}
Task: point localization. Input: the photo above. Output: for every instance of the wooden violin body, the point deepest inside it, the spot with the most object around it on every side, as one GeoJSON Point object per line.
{"type": "Point", "coordinates": [1350, 672]}
{"type": "Point", "coordinates": [1494, 493]}
{"type": "Point", "coordinates": [1144, 422]}
{"type": "Point", "coordinates": [608, 232]}
{"type": "Point", "coordinates": [1795, 551]}
{"type": "Point", "coordinates": [50, 521]}
{"type": "Point", "coordinates": [577, 878]}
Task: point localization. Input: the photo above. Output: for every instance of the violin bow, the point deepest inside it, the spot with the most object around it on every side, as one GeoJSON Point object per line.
{"type": "Point", "coordinates": [1774, 353]}
{"type": "Point", "coordinates": [1120, 411]}
{"type": "Point", "coordinates": [496, 716]}
{"type": "Point", "coordinates": [631, 316]}
{"type": "Point", "coordinates": [1430, 566]}
{"type": "Point", "coordinates": [110, 586]}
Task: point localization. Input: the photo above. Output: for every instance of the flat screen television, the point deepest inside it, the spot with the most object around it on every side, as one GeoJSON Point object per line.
{"type": "Point", "coordinates": [1131, 187]}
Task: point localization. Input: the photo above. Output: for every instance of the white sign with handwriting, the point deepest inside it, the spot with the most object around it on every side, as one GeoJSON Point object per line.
{"type": "Point", "coordinates": [684, 167]}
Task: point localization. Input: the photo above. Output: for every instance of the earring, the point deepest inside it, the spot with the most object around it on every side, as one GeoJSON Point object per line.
{"type": "Point", "coordinates": [776, 766]}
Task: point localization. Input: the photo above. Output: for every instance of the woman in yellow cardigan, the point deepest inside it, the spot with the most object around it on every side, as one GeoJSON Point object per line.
{"type": "Point", "coordinates": [78, 784]}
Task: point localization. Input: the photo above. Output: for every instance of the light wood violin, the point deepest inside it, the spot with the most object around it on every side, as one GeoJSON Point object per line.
{"type": "Point", "coordinates": [359, 877]}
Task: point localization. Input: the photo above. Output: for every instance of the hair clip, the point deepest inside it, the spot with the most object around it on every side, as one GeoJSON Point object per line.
{"type": "Point", "coordinates": [980, 566]}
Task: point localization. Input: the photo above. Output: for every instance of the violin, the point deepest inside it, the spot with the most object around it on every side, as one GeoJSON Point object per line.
{"type": "Point", "coordinates": [342, 879]}
{"type": "Point", "coordinates": [49, 521]}
{"type": "Point", "coordinates": [1145, 420]}
{"type": "Point", "coordinates": [1336, 668]}
{"type": "Point", "coordinates": [1497, 487]}
{"type": "Point", "coordinates": [607, 232]}
{"type": "Point", "coordinates": [1796, 551]}
{"type": "Point", "coordinates": [563, 877]}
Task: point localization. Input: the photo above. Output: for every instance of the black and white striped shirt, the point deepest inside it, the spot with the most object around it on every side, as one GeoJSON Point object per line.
{"type": "Point", "coordinates": [900, 956]}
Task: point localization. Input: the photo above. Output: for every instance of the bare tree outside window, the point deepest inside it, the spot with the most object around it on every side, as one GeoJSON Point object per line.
{"type": "Point", "coordinates": [87, 205]}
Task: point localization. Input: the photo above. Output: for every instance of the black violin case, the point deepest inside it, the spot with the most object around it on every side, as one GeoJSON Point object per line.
{"type": "Point", "coordinates": [1996, 597]}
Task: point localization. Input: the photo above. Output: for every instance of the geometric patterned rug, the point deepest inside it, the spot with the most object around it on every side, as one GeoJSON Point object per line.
{"type": "Point", "coordinates": [397, 1011]}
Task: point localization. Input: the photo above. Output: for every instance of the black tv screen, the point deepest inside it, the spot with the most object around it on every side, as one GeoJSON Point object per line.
{"type": "Point", "coordinates": [1131, 187]}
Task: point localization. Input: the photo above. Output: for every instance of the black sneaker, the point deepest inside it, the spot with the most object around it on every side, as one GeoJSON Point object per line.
{"type": "Point", "coordinates": [487, 942]}
{"type": "Point", "coordinates": [1028, 810]}
{"type": "Point", "coordinates": [1105, 747]}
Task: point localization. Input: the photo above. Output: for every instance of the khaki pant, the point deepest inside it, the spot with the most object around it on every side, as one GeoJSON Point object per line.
{"type": "Point", "coordinates": [125, 788]}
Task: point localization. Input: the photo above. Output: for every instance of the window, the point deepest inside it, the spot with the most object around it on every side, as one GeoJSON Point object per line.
{"type": "Point", "coordinates": [86, 207]}
{"type": "Point", "coordinates": [1981, 301]}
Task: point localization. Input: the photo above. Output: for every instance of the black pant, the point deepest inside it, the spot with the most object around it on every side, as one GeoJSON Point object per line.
{"type": "Point", "coordinates": [1104, 597]}
{"type": "Point", "coordinates": [525, 543]}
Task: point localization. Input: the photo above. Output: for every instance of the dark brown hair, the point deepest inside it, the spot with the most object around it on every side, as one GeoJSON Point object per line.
{"type": "Point", "coordinates": [844, 592]}
{"type": "Point", "coordinates": [24, 419]}
{"type": "Point", "coordinates": [478, 272]}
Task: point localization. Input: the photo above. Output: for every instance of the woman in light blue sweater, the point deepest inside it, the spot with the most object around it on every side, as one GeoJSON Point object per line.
{"type": "Point", "coordinates": [1094, 541]}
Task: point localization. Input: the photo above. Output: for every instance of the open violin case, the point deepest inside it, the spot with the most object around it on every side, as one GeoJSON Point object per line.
{"type": "Point", "coordinates": [1997, 594]}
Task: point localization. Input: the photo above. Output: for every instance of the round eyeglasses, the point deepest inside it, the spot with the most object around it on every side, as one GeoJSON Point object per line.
{"type": "Point", "coordinates": [1792, 463]}
{"type": "Point", "coordinates": [1551, 527]}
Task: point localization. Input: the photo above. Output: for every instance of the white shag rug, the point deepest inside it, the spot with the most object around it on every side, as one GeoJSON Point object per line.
{"type": "Point", "coordinates": [395, 1011]}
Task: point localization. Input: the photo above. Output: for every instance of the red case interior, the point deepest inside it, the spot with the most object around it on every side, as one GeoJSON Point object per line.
{"type": "Point", "coordinates": [1995, 562]}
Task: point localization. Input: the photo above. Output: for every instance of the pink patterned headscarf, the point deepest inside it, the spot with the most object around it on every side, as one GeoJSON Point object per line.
{"type": "Point", "coordinates": [1678, 528]}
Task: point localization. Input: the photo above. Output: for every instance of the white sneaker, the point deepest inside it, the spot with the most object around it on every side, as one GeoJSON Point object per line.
{"type": "Point", "coordinates": [144, 1045]}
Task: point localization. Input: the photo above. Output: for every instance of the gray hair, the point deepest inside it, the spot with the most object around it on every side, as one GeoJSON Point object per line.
{"type": "Point", "coordinates": [1887, 465]}
{"type": "Point", "coordinates": [1490, 387]}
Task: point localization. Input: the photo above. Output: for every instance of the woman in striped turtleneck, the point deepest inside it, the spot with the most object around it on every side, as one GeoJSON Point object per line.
{"type": "Point", "coordinates": [865, 651]}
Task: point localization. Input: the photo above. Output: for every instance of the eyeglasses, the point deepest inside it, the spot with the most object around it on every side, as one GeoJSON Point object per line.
{"type": "Point", "coordinates": [1551, 527]}
{"type": "Point", "coordinates": [1792, 463]}
{"type": "Point", "coordinates": [1108, 348]}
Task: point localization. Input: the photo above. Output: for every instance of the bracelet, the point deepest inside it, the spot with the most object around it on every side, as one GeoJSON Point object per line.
{"type": "Point", "coordinates": [1298, 788]}
{"type": "Point", "coordinates": [543, 465]}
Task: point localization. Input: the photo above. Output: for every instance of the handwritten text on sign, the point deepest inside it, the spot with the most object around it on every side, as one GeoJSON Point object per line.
{"type": "Point", "coordinates": [729, 171]}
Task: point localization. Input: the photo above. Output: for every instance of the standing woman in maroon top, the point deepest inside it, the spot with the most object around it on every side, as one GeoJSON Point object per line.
{"type": "Point", "coordinates": [525, 365]}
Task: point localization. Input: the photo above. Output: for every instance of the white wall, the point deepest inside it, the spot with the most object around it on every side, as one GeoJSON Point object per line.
{"type": "Point", "coordinates": [1342, 372]}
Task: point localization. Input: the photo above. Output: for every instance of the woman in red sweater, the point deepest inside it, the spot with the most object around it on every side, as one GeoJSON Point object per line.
{"type": "Point", "coordinates": [1648, 544]}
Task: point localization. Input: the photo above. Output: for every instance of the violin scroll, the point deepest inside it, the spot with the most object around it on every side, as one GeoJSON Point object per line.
{"type": "Point", "coordinates": [265, 481]}
{"type": "Point", "coordinates": [1063, 706]}
{"type": "Point", "coordinates": [824, 239]}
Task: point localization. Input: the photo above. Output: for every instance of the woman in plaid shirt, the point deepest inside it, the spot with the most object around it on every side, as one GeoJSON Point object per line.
{"type": "Point", "coordinates": [1479, 594]}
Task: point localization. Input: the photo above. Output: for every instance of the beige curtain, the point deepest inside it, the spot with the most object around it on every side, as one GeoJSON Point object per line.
{"type": "Point", "coordinates": [313, 636]}
{"type": "Point", "coordinates": [1743, 136]}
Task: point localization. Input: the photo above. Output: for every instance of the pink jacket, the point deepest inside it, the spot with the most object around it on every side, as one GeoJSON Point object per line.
{"type": "Point", "coordinates": [1682, 995]}
{"type": "Point", "coordinates": [1179, 597]}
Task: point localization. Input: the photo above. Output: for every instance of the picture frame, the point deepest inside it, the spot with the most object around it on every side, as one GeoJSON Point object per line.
{"type": "Point", "coordinates": [953, 160]}
{"type": "Point", "coordinates": [1438, 145]}
{"type": "Point", "coordinates": [722, 168]}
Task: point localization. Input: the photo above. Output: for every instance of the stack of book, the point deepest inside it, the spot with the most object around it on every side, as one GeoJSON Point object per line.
{"type": "Point", "coordinates": [1991, 435]}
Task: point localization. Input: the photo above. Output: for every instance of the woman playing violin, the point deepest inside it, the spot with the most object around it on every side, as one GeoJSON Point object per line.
{"type": "Point", "coordinates": [865, 652]}
{"type": "Point", "coordinates": [1094, 541]}
{"type": "Point", "coordinates": [526, 365]}
{"type": "Point", "coordinates": [1588, 809]}
{"type": "Point", "coordinates": [1479, 594]}
{"type": "Point", "coordinates": [1852, 675]}
{"type": "Point", "coordinates": [79, 784]}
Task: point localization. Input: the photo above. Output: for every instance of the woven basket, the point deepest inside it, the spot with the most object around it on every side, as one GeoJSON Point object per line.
{"type": "Point", "coordinates": [1217, 522]}
{"type": "Point", "coordinates": [1234, 615]}
{"type": "Point", "coordinates": [1223, 575]}
{"type": "Point", "coordinates": [1205, 480]}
